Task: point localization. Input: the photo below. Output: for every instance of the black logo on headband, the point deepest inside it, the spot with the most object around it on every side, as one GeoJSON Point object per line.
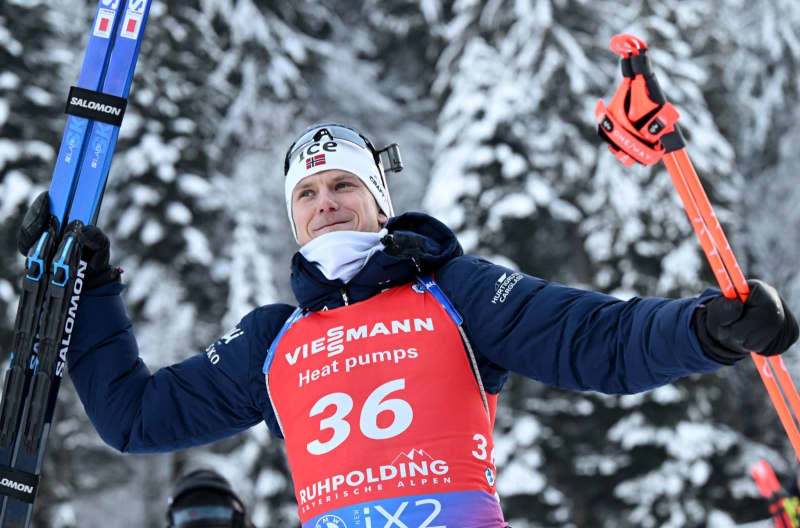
{"type": "Point", "coordinates": [316, 148]}
{"type": "Point", "coordinates": [377, 186]}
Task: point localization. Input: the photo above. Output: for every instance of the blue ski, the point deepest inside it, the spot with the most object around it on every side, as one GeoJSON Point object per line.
{"type": "Point", "coordinates": [62, 186]}
{"type": "Point", "coordinates": [52, 285]}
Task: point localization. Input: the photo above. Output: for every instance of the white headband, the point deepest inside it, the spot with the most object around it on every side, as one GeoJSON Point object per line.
{"type": "Point", "coordinates": [335, 154]}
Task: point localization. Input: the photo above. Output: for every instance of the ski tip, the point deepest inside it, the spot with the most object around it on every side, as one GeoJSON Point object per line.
{"type": "Point", "coordinates": [758, 469]}
{"type": "Point", "coordinates": [626, 45]}
{"type": "Point", "coordinates": [766, 480]}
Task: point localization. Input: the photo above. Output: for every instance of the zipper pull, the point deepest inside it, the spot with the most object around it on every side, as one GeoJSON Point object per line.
{"type": "Point", "coordinates": [344, 296]}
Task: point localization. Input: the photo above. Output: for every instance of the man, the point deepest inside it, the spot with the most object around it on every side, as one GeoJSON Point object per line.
{"type": "Point", "coordinates": [384, 380]}
{"type": "Point", "coordinates": [204, 499]}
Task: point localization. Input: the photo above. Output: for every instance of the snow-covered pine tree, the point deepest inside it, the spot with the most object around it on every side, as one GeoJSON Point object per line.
{"type": "Point", "coordinates": [195, 212]}
{"type": "Point", "coordinates": [754, 60]}
{"type": "Point", "coordinates": [30, 129]}
{"type": "Point", "coordinates": [756, 64]}
{"type": "Point", "coordinates": [521, 175]}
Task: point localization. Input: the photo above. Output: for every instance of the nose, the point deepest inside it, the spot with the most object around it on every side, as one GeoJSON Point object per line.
{"type": "Point", "coordinates": [326, 201]}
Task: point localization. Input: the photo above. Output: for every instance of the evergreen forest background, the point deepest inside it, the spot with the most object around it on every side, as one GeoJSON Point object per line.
{"type": "Point", "coordinates": [492, 105]}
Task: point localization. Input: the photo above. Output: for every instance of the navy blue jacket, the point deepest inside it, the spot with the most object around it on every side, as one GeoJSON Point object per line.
{"type": "Point", "coordinates": [563, 337]}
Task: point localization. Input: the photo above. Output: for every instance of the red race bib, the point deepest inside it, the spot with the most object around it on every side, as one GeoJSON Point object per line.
{"type": "Point", "coordinates": [384, 418]}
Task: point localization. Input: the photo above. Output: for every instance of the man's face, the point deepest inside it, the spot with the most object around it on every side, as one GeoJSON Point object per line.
{"type": "Point", "coordinates": [333, 200]}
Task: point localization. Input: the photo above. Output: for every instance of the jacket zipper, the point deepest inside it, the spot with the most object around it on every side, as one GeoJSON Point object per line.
{"type": "Point", "coordinates": [344, 296]}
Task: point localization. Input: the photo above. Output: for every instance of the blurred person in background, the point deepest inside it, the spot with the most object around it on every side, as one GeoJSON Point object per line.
{"type": "Point", "coordinates": [384, 379]}
{"type": "Point", "coordinates": [205, 499]}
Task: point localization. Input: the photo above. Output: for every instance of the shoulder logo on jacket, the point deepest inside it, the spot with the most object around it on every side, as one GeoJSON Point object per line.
{"type": "Point", "coordinates": [211, 352]}
{"type": "Point", "coordinates": [212, 355]}
{"type": "Point", "coordinates": [503, 286]}
{"type": "Point", "coordinates": [233, 334]}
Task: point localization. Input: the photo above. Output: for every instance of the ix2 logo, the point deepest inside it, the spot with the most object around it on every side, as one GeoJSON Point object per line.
{"type": "Point", "coordinates": [378, 514]}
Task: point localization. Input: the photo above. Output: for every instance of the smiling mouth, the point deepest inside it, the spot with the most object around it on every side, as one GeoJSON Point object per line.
{"type": "Point", "coordinates": [333, 224]}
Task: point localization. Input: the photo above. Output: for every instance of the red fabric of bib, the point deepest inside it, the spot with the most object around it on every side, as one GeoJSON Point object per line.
{"type": "Point", "coordinates": [378, 400]}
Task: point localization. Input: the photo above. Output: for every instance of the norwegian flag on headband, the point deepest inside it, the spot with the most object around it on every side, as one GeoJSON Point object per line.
{"type": "Point", "coordinates": [313, 161]}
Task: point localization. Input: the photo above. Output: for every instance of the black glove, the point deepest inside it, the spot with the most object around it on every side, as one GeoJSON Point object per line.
{"type": "Point", "coordinates": [95, 246]}
{"type": "Point", "coordinates": [96, 251]}
{"type": "Point", "coordinates": [37, 219]}
{"type": "Point", "coordinates": [729, 329]}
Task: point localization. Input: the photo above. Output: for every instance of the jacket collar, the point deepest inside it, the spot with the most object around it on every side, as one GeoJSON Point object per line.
{"type": "Point", "coordinates": [416, 243]}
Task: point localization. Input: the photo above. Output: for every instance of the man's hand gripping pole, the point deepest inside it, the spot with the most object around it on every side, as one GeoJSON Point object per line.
{"type": "Point", "coordinates": [641, 126]}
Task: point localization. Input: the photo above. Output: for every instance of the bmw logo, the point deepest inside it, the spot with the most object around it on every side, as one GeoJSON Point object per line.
{"type": "Point", "coordinates": [490, 476]}
{"type": "Point", "coordinates": [330, 521]}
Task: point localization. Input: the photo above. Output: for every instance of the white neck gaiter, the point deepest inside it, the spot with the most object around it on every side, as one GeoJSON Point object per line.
{"type": "Point", "coordinates": [342, 254]}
